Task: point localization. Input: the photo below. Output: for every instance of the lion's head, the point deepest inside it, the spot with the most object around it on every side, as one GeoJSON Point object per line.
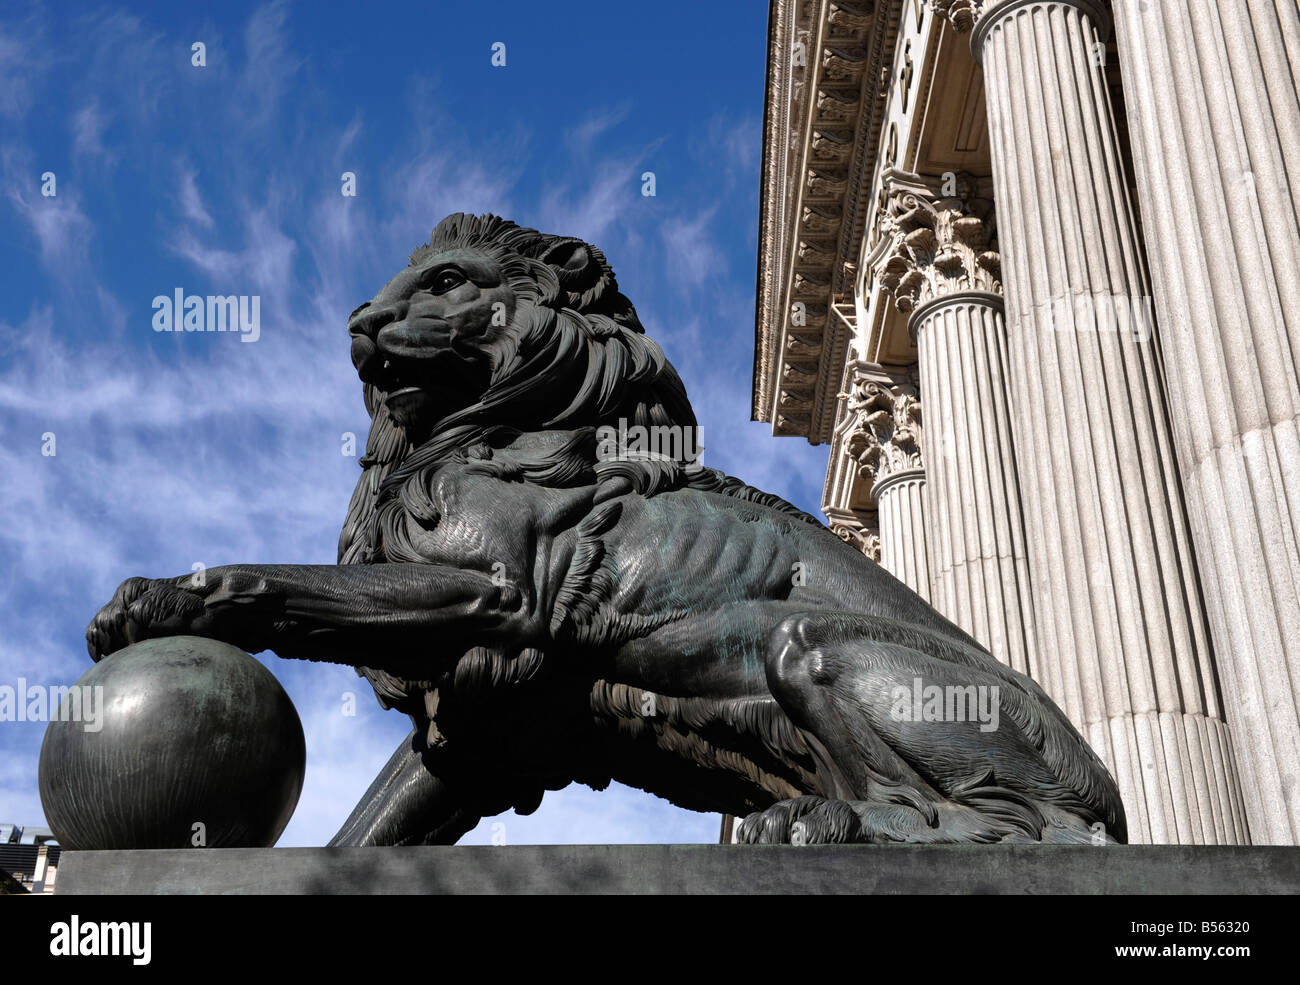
{"type": "Point", "coordinates": [493, 324]}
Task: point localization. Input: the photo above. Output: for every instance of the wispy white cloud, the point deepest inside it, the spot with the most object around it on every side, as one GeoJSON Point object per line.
{"type": "Point", "coordinates": [22, 46]}
{"type": "Point", "coordinates": [61, 230]}
{"type": "Point", "coordinates": [118, 51]}
{"type": "Point", "coordinates": [737, 145]}
{"type": "Point", "coordinates": [269, 65]}
{"type": "Point", "coordinates": [191, 201]}
{"type": "Point", "coordinates": [88, 126]}
{"type": "Point", "coordinates": [592, 212]}
{"type": "Point", "coordinates": [693, 253]}
{"type": "Point", "coordinates": [583, 137]}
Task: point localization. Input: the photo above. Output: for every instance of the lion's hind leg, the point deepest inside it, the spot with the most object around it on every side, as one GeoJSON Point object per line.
{"type": "Point", "coordinates": [892, 768]}
{"type": "Point", "coordinates": [406, 805]}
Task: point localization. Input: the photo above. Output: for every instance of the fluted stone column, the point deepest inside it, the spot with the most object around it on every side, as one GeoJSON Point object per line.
{"type": "Point", "coordinates": [900, 498]}
{"type": "Point", "coordinates": [1122, 632]}
{"type": "Point", "coordinates": [944, 269]}
{"type": "Point", "coordinates": [1214, 118]}
{"type": "Point", "coordinates": [886, 443]}
{"type": "Point", "coordinates": [980, 569]}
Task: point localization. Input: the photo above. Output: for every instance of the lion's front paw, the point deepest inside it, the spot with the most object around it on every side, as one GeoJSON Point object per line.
{"type": "Point", "coordinates": [803, 821]}
{"type": "Point", "coordinates": [141, 609]}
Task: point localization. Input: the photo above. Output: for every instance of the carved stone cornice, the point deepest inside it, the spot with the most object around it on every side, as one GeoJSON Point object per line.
{"type": "Point", "coordinates": [821, 127]}
{"type": "Point", "coordinates": [886, 434]}
{"type": "Point", "coordinates": [937, 244]}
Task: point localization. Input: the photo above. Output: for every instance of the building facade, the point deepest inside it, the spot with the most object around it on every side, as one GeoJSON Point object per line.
{"type": "Point", "coordinates": [1031, 268]}
{"type": "Point", "coordinates": [29, 860]}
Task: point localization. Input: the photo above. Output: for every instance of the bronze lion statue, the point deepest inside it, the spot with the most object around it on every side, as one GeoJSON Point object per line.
{"type": "Point", "coordinates": [550, 604]}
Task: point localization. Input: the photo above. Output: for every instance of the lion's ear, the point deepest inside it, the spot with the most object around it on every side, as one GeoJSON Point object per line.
{"type": "Point", "coordinates": [573, 264]}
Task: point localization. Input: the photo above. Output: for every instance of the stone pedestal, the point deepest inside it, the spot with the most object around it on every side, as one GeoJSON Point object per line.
{"type": "Point", "coordinates": [645, 869]}
{"type": "Point", "coordinates": [1214, 116]}
{"type": "Point", "coordinates": [1122, 633]}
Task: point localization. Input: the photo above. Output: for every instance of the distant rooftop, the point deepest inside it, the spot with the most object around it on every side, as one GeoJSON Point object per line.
{"type": "Point", "coordinates": [25, 834]}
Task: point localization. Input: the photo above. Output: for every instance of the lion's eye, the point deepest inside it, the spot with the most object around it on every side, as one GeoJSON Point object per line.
{"type": "Point", "coordinates": [446, 279]}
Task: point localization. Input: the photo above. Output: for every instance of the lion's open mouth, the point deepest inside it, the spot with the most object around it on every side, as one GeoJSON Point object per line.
{"type": "Point", "coordinates": [421, 392]}
{"type": "Point", "coordinates": [394, 378]}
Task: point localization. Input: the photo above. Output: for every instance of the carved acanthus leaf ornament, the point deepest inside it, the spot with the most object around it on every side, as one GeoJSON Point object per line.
{"type": "Point", "coordinates": [886, 436]}
{"type": "Point", "coordinates": [939, 244]}
{"type": "Point", "coordinates": [865, 539]}
{"type": "Point", "coordinates": [961, 14]}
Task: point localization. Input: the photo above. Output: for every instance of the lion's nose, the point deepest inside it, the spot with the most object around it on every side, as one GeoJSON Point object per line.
{"type": "Point", "coordinates": [368, 320]}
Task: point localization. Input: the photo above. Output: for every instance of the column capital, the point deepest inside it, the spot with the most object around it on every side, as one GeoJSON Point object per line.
{"type": "Point", "coordinates": [989, 13]}
{"type": "Point", "coordinates": [863, 535]}
{"type": "Point", "coordinates": [943, 239]}
{"type": "Point", "coordinates": [961, 14]}
{"type": "Point", "coordinates": [886, 434]}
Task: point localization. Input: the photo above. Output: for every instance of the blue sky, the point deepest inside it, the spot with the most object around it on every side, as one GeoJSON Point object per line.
{"type": "Point", "coordinates": [173, 449]}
